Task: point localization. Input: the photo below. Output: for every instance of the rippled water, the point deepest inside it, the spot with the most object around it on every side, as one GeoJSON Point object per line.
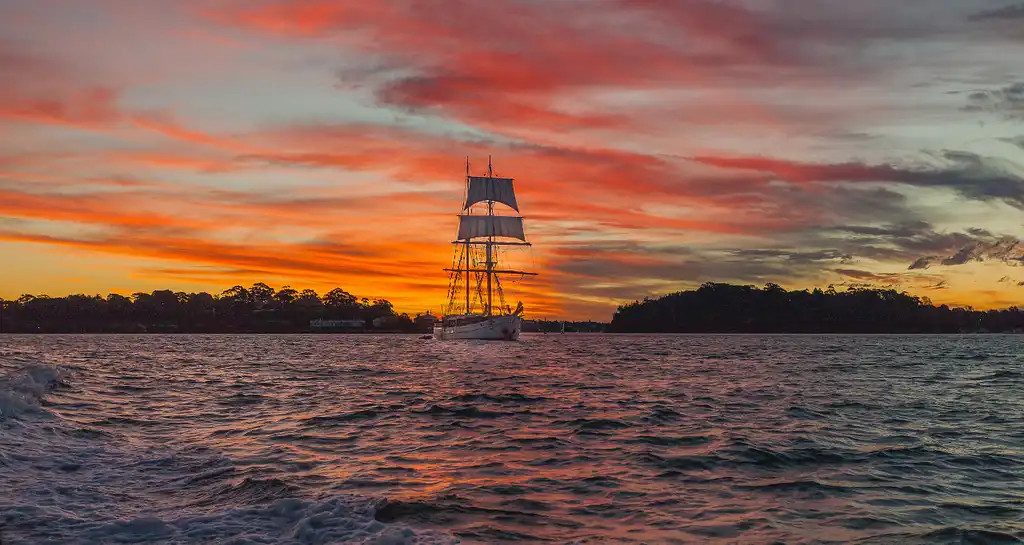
{"type": "Point", "coordinates": [563, 438]}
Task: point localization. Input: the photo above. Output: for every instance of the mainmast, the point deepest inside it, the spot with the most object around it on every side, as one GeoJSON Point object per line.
{"type": "Point", "coordinates": [490, 240]}
{"type": "Point", "coordinates": [467, 243]}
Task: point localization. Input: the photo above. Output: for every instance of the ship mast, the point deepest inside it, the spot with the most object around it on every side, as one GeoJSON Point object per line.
{"type": "Point", "coordinates": [467, 245]}
{"type": "Point", "coordinates": [490, 240]}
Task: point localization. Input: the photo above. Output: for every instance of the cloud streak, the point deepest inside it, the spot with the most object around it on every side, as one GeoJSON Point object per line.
{"type": "Point", "coordinates": [1007, 102]}
{"type": "Point", "coordinates": [971, 175]}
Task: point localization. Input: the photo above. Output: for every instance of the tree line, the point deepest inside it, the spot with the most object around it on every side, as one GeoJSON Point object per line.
{"type": "Point", "coordinates": [726, 308]}
{"type": "Point", "coordinates": [256, 309]}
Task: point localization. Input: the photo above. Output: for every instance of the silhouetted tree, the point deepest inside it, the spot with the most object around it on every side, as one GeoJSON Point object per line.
{"type": "Point", "coordinates": [286, 295]}
{"type": "Point", "coordinates": [309, 298]}
{"type": "Point", "coordinates": [237, 294]}
{"type": "Point", "coordinates": [261, 294]}
{"type": "Point", "coordinates": [339, 298]}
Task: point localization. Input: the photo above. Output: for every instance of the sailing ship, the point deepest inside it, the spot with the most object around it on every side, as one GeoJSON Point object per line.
{"type": "Point", "coordinates": [475, 279]}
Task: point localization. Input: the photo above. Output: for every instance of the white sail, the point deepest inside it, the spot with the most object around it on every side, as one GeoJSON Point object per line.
{"type": "Point", "coordinates": [491, 226]}
{"type": "Point", "coordinates": [483, 188]}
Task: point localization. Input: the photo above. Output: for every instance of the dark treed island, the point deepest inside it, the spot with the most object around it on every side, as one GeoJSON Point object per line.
{"type": "Point", "coordinates": [257, 309]}
{"type": "Point", "coordinates": [726, 308]}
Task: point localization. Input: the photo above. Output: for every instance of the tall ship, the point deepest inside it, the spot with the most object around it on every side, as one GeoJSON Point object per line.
{"type": "Point", "coordinates": [475, 307]}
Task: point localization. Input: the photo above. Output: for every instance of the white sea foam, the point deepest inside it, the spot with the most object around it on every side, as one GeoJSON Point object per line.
{"type": "Point", "coordinates": [22, 390]}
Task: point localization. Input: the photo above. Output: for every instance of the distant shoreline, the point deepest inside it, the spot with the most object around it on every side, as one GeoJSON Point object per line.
{"type": "Point", "coordinates": [529, 333]}
{"type": "Point", "coordinates": [259, 309]}
{"type": "Point", "coordinates": [712, 309]}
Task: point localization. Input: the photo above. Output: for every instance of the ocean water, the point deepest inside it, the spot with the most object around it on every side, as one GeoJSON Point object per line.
{"type": "Point", "coordinates": [556, 438]}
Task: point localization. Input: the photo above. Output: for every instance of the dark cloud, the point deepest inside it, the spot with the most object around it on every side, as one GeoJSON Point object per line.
{"type": "Point", "coordinates": [838, 203]}
{"type": "Point", "coordinates": [796, 257]}
{"type": "Point", "coordinates": [934, 242]}
{"type": "Point", "coordinates": [1003, 23]}
{"type": "Point", "coordinates": [861, 275]}
{"type": "Point", "coordinates": [902, 230]}
{"type": "Point", "coordinates": [892, 279]}
{"type": "Point", "coordinates": [1007, 101]}
{"type": "Point", "coordinates": [975, 177]}
{"type": "Point", "coordinates": [915, 242]}
{"type": "Point", "coordinates": [963, 255]}
{"type": "Point", "coordinates": [986, 247]}
{"type": "Point", "coordinates": [848, 136]}
{"type": "Point", "coordinates": [922, 263]}
{"type": "Point", "coordinates": [1012, 12]}
{"type": "Point", "coordinates": [969, 174]}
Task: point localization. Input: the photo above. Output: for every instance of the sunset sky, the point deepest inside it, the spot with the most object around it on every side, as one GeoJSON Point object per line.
{"type": "Point", "coordinates": [656, 144]}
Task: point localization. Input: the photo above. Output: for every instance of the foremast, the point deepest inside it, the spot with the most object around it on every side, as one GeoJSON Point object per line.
{"type": "Point", "coordinates": [490, 230]}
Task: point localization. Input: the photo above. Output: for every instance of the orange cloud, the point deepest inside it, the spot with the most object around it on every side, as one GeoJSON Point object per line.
{"type": "Point", "coordinates": [167, 160]}
{"type": "Point", "coordinates": [90, 108]}
{"type": "Point", "coordinates": [164, 124]}
{"type": "Point", "coordinates": [97, 210]}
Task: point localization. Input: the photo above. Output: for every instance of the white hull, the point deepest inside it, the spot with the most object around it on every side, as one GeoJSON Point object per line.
{"type": "Point", "coordinates": [497, 328]}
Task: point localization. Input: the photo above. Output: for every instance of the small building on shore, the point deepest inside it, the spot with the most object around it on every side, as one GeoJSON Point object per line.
{"type": "Point", "coordinates": [386, 322]}
{"type": "Point", "coordinates": [321, 324]}
{"type": "Point", "coordinates": [425, 321]}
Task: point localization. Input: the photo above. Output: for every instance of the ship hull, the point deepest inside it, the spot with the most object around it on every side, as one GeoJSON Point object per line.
{"type": "Point", "coordinates": [496, 328]}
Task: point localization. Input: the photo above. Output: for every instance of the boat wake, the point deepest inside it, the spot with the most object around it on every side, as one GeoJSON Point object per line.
{"type": "Point", "coordinates": [21, 392]}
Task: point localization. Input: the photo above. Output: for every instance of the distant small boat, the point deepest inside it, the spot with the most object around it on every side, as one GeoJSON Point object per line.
{"type": "Point", "coordinates": [479, 237]}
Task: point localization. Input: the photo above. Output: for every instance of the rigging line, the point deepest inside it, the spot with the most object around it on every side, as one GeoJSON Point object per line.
{"type": "Point", "coordinates": [454, 284]}
{"type": "Point", "coordinates": [448, 296]}
{"type": "Point", "coordinates": [479, 284]}
{"type": "Point", "coordinates": [479, 287]}
{"type": "Point", "coordinates": [453, 279]}
{"type": "Point", "coordinates": [501, 293]}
